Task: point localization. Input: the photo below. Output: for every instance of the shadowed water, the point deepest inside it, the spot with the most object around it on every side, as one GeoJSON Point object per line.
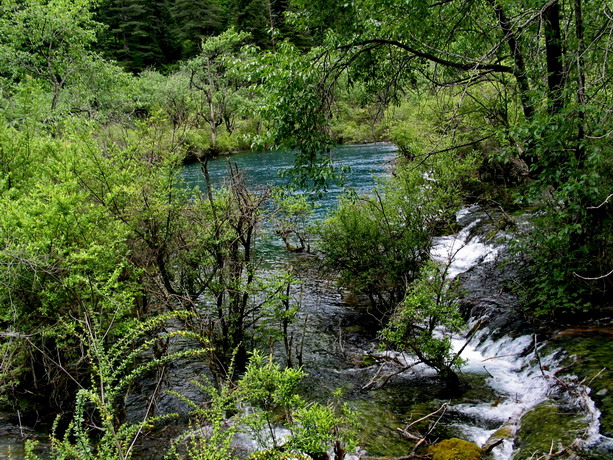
{"type": "Point", "coordinates": [505, 378]}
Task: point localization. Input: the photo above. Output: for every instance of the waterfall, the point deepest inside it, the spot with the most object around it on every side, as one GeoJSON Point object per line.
{"type": "Point", "coordinates": [516, 366]}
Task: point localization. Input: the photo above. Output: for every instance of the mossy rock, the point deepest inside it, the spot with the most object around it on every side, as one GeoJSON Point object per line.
{"type": "Point", "coordinates": [545, 424]}
{"type": "Point", "coordinates": [593, 349]}
{"type": "Point", "coordinates": [365, 361]}
{"type": "Point", "coordinates": [354, 329]}
{"type": "Point", "coordinates": [505, 432]}
{"type": "Point", "coordinates": [455, 449]}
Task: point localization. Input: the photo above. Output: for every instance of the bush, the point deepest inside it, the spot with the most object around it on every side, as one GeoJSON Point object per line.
{"type": "Point", "coordinates": [423, 324]}
{"type": "Point", "coordinates": [568, 249]}
{"type": "Point", "coordinates": [378, 243]}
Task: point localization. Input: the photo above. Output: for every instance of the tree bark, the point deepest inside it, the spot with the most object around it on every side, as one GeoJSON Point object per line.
{"type": "Point", "coordinates": [581, 100]}
{"type": "Point", "coordinates": [519, 72]}
{"type": "Point", "coordinates": [553, 49]}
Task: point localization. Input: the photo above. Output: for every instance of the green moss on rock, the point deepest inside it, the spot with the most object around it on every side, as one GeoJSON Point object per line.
{"type": "Point", "coordinates": [544, 425]}
{"type": "Point", "coordinates": [592, 349]}
{"type": "Point", "coordinates": [455, 449]}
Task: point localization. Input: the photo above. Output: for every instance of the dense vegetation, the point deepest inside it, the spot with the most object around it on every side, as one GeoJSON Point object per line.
{"type": "Point", "coordinates": [106, 257]}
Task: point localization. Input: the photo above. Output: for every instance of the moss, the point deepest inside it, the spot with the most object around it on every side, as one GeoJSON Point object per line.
{"type": "Point", "coordinates": [506, 432]}
{"type": "Point", "coordinates": [544, 425]}
{"type": "Point", "coordinates": [455, 449]}
{"type": "Point", "coordinates": [592, 349]}
{"type": "Point", "coordinates": [366, 361]}
{"type": "Point", "coordinates": [354, 329]}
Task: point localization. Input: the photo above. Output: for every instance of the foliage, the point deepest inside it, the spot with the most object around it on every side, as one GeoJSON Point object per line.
{"type": "Point", "coordinates": [49, 39]}
{"type": "Point", "coordinates": [114, 368]}
{"type": "Point", "coordinates": [294, 104]}
{"type": "Point", "coordinates": [291, 220]}
{"type": "Point", "coordinates": [568, 248]}
{"type": "Point", "coordinates": [216, 74]}
{"type": "Point", "coordinates": [425, 321]}
{"type": "Point", "coordinates": [377, 244]}
{"type": "Point", "coordinates": [527, 74]}
{"type": "Point", "coordinates": [210, 436]}
{"type": "Point", "coordinates": [62, 256]}
{"type": "Point", "coordinates": [136, 33]}
{"type": "Point", "coordinates": [25, 104]}
{"type": "Point", "coordinates": [263, 400]}
{"type": "Point", "coordinates": [101, 91]}
{"type": "Point", "coordinates": [193, 21]}
{"type": "Point", "coordinates": [141, 35]}
{"type": "Point", "coordinates": [426, 122]}
{"type": "Point", "coordinates": [272, 395]}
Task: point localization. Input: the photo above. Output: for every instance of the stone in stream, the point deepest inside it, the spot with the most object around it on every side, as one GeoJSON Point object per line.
{"type": "Point", "coordinates": [455, 449]}
{"type": "Point", "coordinates": [505, 433]}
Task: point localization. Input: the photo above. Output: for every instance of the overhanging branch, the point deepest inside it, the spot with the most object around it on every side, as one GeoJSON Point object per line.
{"type": "Point", "coordinates": [431, 57]}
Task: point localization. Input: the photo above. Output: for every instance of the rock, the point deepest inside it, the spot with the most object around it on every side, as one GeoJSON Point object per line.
{"type": "Point", "coordinates": [548, 426]}
{"type": "Point", "coordinates": [505, 433]}
{"type": "Point", "coordinates": [455, 449]}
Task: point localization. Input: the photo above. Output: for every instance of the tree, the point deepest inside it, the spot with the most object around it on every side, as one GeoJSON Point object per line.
{"type": "Point", "coordinates": [425, 321]}
{"type": "Point", "coordinates": [378, 244]}
{"type": "Point", "coordinates": [216, 75]}
{"type": "Point", "coordinates": [193, 22]}
{"type": "Point", "coordinates": [48, 39]}
{"type": "Point", "coordinates": [137, 33]}
{"type": "Point", "coordinates": [546, 62]}
{"type": "Point", "coordinates": [62, 258]}
{"type": "Point", "coordinates": [291, 220]}
{"type": "Point", "coordinates": [272, 393]}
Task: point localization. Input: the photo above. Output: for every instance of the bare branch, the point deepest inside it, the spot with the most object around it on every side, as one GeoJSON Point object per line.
{"type": "Point", "coordinates": [601, 204]}
{"type": "Point", "coordinates": [594, 278]}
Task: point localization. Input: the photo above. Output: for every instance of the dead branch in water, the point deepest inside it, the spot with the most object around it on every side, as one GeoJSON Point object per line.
{"type": "Point", "coordinates": [373, 380]}
{"type": "Point", "coordinates": [421, 439]}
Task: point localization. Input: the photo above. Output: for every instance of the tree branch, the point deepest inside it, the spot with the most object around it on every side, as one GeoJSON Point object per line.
{"type": "Point", "coordinates": [432, 57]}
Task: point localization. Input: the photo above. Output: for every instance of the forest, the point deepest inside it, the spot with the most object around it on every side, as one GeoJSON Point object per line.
{"type": "Point", "coordinates": [117, 270]}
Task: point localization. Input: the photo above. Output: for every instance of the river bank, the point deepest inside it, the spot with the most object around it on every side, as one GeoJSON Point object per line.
{"type": "Point", "coordinates": [517, 373]}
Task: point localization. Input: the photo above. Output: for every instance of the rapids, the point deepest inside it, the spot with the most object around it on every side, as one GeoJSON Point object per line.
{"type": "Point", "coordinates": [514, 371]}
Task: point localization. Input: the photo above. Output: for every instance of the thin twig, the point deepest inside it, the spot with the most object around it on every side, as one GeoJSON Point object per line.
{"type": "Point", "coordinates": [601, 204]}
{"type": "Point", "coordinates": [594, 278]}
{"type": "Point", "coordinates": [147, 412]}
{"type": "Point", "coordinates": [425, 417]}
{"type": "Point", "coordinates": [498, 356]}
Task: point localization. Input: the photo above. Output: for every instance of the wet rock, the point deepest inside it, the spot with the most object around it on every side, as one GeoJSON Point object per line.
{"type": "Point", "coordinates": [455, 449]}
{"type": "Point", "coordinates": [589, 351]}
{"type": "Point", "coordinates": [505, 433]}
{"type": "Point", "coordinates": [548, 427]}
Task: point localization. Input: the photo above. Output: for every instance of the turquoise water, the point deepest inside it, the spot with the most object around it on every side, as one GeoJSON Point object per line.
{"type": "Point", "coordinates": [263, 169]}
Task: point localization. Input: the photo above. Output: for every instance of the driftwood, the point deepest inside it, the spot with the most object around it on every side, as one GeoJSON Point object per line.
{"type": "Point", "coordinates": [388, 377]}
{"type": "Point", "coordinates": [422, 439]}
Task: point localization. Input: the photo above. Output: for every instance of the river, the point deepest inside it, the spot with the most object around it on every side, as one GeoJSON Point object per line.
{"type": "Point", "coordinates": [505, 367]}
{"type": "Point", "coordinates": [511, 373]}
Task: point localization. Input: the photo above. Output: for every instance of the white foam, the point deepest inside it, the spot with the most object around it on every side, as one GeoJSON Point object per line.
{"type": "Point", "coordinates": [462, 251]}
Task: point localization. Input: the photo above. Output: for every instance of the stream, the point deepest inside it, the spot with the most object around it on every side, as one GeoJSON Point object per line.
{"type": "Point", "coordinates": [521, 391]}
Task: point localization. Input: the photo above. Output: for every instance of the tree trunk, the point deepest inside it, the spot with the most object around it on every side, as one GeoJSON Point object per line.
{"type": "Point", "coordinates": [553, 49]}
{"type": "Point", "coordinates": [519, 71]}
{"type": "Point", "coordinates": [580, 149]}
{"type": "Point", "coordinates": [56, 97]}
{"type": "Point", "coordinates": [211, 101]}
{"type": "Point", "coordinates": [453, 384]}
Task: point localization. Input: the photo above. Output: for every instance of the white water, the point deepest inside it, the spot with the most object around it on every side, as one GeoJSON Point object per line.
{"type": "Point", "coordinates": [516, 379]}
{"type": "Point", "coordinates": [461, 251]}
{"type": "Point", "coordinates": [511, 363]}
